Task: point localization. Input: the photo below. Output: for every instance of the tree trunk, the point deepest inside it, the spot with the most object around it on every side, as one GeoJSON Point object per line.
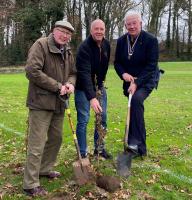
{"type": "Point", "coordinates": [189, 46]}
{"type": "Point", "coordinates": [168, 39]}
{"type": "Point", "coordinates": [177, 37]}
{"type": "Point", "coordinates": [88, 9]}
{"type": "Point", "coordinates": [175, 10]}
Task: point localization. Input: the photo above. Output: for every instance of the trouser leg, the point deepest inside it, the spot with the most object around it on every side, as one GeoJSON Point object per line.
{"type": "Point", "coordinates": [83, 109]}
{"type": "Point", "coordinates": [53, 143]}
{"type": "Point", "coordinates": [137, 132]}
{"type": "Point", "coordinates": [38, 126]}
{"type": "Point", "coordinates": [104, 119]}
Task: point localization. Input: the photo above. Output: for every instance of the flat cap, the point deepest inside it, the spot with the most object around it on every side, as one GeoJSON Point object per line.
{"type": "Point", "coordinates": [64, 24]}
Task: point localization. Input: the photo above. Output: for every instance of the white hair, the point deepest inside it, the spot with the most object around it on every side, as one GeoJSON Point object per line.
{"type": "Point", "coordinates": [132, 13]}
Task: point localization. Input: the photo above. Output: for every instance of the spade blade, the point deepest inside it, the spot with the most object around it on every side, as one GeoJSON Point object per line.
{"type": "Point", "coordinates": [124, 164]}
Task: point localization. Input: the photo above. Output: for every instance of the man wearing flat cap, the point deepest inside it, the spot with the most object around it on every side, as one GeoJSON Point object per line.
{"type": "Point", "coordinates": [51, 72]}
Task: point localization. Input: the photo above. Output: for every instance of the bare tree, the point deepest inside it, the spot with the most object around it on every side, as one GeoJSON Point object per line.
{"type": "Point", "coordinates": [156, 8]}
{"type": "Point", "coordinates": [88, 7]}
{"type": "Point", "coordinates": [189, 13]}
{"type": "Point", "coordinates": [168, 39]}
{"type": "Point", "coordinates": [73, 13]}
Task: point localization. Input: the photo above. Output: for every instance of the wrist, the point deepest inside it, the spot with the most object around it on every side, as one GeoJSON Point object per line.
{"type": "Point", "coordinates": [59, 86]}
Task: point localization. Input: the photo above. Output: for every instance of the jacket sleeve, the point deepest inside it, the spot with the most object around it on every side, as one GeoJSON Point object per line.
{"type": "Point", "coordinates": [34, 69]}
{"type": "Point", "coordinates": [150, 69]}
{"type": "Point", "coordinates": [106, 51]}
{"type": "Point", "coordinates": [73, 71]}
{"type": "Point", "coordinates": [117, 63]}
{"type": "Point", "coordinates": [83, 64]}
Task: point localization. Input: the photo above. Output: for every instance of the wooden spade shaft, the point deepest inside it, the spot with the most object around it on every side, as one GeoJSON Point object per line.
{"type": "Point", "coordinates": [74, 133]}
{"type": "Point", "coordinates": [127, 123]}
{"type": "Point", "coordinates": [81, 168]}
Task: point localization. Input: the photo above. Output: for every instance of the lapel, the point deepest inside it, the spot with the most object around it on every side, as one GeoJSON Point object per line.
{"type": "Point", "coordinates": [138, 46]}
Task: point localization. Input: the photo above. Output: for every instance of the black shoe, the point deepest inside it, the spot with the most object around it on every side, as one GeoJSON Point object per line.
{"type": "Point", "coordinates": [136, 155]}
{"type": "Point", "coordinates": [51, 175]}
{"type": "Point", "coordinates": [133, 149]}
{"type": "Point", "coordinates": [103, 154]}
{"type": "Point", "coordinates": [84, 155]}
{"type": "Point", "coordinates": [34, 192]}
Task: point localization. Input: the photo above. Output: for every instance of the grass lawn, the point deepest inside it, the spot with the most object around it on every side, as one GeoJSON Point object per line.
{"type": "Point", "coordinates": [165, 174]}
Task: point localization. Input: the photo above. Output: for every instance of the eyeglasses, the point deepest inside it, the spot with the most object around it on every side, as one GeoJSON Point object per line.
{"type": "Point", "coordinates": [68, 33]}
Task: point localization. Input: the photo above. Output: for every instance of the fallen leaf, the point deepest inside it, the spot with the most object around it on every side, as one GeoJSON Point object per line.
{"type": "Point", "coordinates": [146, 196]}
{"type": "Point", "coordinates": [189, 127]}
{"type": "Point", "coordinates": [117, 130]}
{"type": "Point", "coordinates": [90, 195]}
{"type": "Point", "coordinates": [150, 181]}
{"type": "Point", "coordinates": [7, 186]}
{"type": "Point", "coordinates": [174, 150]}
{"type": "Point", "coordinates": [1, 195]}
{"type": "Point", "coordinates": [167, 187]}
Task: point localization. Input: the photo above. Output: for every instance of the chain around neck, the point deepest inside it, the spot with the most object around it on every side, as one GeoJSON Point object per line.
{"type": "Point", "coordinates": [131, 48]}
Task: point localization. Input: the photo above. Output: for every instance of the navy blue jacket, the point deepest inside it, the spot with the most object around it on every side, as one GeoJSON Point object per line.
{"type": "Point", "coordinates": [92, 62]}
{"type": "Point", "coordinates": [143, 63]}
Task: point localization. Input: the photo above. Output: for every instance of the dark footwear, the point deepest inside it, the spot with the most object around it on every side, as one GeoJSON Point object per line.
{"type": "Point", "coordinates": [103, 154]}
{"type": "Point", "coordinates": [134, 151]}
{"type": "Point", "coordinates": [133, 148]}
{"type": "Point", "coordinates": [137, 155]}
{"type": "Point", "coordinates": [51, 175]}
{"type": "Point", "coordinates": [84, 155]}
{"type": "Point", "coordinates": [37, 191]}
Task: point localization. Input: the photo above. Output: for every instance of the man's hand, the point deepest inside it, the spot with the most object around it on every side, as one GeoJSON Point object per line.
{"type": "Point", "coordinates": [69, 88]}
{"type": "Point", "coordinates": [132, 88]}
{"type": "Point", "coordinates": [63, 90]}
{"type": "Point", "coordinates": [95, 105]}
{"type": "Point", "coordinates": [127, 77]}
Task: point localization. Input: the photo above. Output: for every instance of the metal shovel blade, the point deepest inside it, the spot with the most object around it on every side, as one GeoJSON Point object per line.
{"type": "Point", "coordinates": [83, 171]}
{"type": "Point", "coordinates": [124, 164]}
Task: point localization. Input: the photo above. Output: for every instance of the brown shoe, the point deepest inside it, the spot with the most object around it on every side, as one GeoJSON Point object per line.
{"type": "Point", "coordinates": [37, 191]}
{"type": "Point", "coordinates": [51, 175]}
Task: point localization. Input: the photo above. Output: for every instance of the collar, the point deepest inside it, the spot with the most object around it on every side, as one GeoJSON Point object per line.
{"type": "Point", "coordinates": [140, 38]}
{"type": "Point", "coordinates": [93, 42]}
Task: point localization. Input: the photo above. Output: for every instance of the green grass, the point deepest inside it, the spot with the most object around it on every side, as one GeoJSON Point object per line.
{"type": "Point", "coordinates": [165, 174]}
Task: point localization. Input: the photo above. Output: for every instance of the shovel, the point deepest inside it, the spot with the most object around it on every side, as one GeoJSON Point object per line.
{"type": "Point", "coordinates": [82, 167]}
{"type": "Point", "coordinates": [124, 159]}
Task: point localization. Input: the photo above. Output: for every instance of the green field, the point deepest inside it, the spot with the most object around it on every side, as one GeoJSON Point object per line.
{"type": "Point", "coordinates": [165, 174]}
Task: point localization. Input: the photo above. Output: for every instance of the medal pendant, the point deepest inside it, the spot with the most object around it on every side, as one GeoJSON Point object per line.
{"type": "Point", "coordinates": [129, 56]}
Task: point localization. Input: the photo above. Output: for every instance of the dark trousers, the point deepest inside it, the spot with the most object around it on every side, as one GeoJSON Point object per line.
{"type": "Point", "coordinates": [137, 132]}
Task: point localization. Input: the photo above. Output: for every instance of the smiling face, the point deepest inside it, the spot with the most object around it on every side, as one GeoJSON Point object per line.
{"type": "Point", "coordinates": [61, 35]}
{"type": "Point", "coordinates": [133, 24]}
{"type": "Point", "coordinates": [98, 30]}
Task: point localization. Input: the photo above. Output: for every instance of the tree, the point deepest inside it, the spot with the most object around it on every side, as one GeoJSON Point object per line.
{"type": "Point", "coordinates": [168, 39]}
{"type": "Point", "coordinates": [156, 7]}
{"type": "Point", "coordinates": [73, 13]}
{"type": "Point", "coordinates": [189, 14]}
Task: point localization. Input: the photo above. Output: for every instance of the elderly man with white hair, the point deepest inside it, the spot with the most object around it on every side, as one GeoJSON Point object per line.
{"type": "Point", "coordinates": [136, 63]}
{"type": "Point", "coordinates": [51, 72]}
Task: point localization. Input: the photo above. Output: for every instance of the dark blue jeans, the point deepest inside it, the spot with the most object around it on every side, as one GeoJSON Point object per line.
{"type": "Point", "coordinates": [83, 114]}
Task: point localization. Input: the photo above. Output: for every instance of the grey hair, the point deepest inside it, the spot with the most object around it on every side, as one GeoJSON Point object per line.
{"type": "Point", "coordinates": [132, 13]}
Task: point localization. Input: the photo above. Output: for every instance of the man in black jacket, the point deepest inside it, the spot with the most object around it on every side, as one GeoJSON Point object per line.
{"type": "Point", "coordinates": [136, 63]}
{"type": "Point", "coordinates": [92, 65]}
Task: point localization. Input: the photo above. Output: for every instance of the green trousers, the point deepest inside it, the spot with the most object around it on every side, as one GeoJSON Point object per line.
{"type": "Point", "coordinates": [44, 142]}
